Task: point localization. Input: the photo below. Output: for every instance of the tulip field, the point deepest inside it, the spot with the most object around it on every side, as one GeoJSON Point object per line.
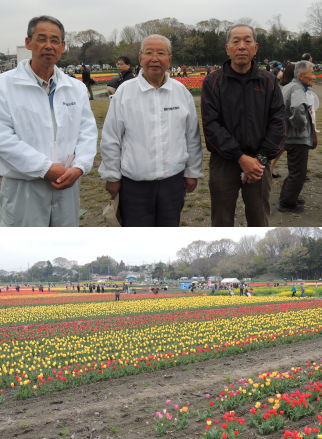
{"type": "Point", "coordinates": [57, 341]}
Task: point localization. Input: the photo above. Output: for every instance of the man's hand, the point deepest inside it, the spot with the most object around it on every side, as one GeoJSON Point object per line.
{"type": "Point", "coordinates": [67, 179]}
{"type": "Point", "coordinates": [113, 187]}
{"type": "Point", "coordinates": [253, 170]}
{"type": "Point", "coordinates": [190, 184]}
{"type": "Point", "coordinates": [55, 171]}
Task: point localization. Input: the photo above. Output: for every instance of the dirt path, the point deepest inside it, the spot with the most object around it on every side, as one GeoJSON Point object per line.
{"type": "Point", "coordinates": [123, 408]}
{"type": "Point", "coordinates": [196, 211]}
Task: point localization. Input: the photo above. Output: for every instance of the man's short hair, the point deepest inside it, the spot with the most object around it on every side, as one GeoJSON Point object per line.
{"type": "Point", "coordinates": [306, 57]}
{"type": "Point", "coordinates": [125, 59]}
{"type": "Point", "coordinates": [302, 67]}
{"type": "Point", "coordinates": [157, 37]}
{"type": "Point", "coordinates": [241, 25]}
{"type": "Point", "coordinates": [34, 21]}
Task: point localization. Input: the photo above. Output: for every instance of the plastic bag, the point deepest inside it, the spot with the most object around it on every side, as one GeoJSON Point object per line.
{"type": "Point", "coordinates": [111, 213]}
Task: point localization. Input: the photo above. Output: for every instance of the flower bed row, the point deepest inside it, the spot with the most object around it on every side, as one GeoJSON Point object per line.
{"type": "Point", "coordinates": [270, 403]}
{"type": "Point", "coordinates": [61, 329]}
{"type": "Point", "coordinates": [92, 355]}
{"type": "Point", "coordinates": [27, 314]}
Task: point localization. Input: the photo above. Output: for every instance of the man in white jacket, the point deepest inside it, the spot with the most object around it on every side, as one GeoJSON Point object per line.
{"type": "Point", "coordinates": [48, 134]}
{"type": "Point", "coordinates": [151, 148]}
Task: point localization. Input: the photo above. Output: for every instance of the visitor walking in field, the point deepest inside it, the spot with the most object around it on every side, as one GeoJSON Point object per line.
{"type": "Point", "coordinates": [244, 126]}
{"type": "Point", "coordinates": [151, 147]}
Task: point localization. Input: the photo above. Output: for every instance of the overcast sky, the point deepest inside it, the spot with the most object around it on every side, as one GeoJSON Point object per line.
{"type": "Point", "coordinates": [22, 247]}
{"type": "Point", "coordinates": [105, 16]}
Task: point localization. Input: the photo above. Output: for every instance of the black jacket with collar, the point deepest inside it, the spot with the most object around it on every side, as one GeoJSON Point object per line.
{"type": "Point", "coordinates": [243, 114]}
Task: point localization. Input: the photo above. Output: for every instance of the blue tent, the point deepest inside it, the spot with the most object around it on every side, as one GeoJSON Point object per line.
{"type": "Point", "coordinates": [131, 278]}
{"type": "Point", "coordinates": [185, 285]}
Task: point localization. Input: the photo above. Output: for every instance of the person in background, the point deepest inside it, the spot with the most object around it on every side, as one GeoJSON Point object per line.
{"type": "Point", "coordinates": [87, 80]}
{"type": "Point", "coordinates": [123, 64]}
{"type": "Point", "coordinates": [288, 76]}
{"type": "Point", "coordinates": [300, 138]}
{"type": "Point", "coordinates": [48, 134]}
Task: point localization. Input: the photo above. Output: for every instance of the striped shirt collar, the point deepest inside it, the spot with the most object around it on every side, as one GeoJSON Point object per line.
{"type": "Point", "coordinates": [46, 85]}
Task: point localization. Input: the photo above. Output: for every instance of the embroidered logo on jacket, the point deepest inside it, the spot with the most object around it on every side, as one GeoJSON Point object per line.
{"type": "Point", "coordinates": [68, 104]}
{"type": "Point", "coordinates": [171, 108]}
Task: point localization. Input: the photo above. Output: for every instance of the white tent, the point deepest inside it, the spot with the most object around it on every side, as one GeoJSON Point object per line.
{"type": "Point", "coordinates": [230, 280]}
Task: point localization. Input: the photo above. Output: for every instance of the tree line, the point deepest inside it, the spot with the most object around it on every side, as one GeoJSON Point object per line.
{"type": "Point", "coordinates": [200, 44]}
{"type": "Point", "coordinates": [292, 253]}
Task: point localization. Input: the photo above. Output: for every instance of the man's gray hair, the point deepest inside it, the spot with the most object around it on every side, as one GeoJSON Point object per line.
{"type": "Point", "coordinates": [302, 67]}
{"type": "Point", "coordinates": [241, 25]}
{"type": "Point", "coordinates": [34, 21]}
{"type": "Point", "coordinates": [157, 37]}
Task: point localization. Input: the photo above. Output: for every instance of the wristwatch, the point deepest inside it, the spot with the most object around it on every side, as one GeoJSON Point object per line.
{"type": "Point", "coordinates": [262, 159]}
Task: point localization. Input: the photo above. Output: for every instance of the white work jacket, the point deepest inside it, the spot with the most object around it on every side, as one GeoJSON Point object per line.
{"type": "Point", "coordinates": [150, 134]}
{"type": "Point", "coordinates": [28, 146]}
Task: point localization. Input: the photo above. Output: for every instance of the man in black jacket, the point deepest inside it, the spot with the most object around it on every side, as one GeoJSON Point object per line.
{"type": "Point", "coordinates": [123, 64]}
{"type": "Point", "coordinates": [244, 126]}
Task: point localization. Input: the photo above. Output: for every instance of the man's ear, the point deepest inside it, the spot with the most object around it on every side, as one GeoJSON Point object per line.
{"type": "Point", "coordinates": [27, 43]}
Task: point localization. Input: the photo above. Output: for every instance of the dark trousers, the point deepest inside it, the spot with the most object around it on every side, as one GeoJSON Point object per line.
{"type": "Point", "coordinates": [297, 156]}
{"type": "Point", "coordinates": [155, 203]}
{"type": "Point", "coordinates": [225, 184]}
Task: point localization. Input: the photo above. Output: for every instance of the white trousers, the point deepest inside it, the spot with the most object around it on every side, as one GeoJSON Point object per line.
{"type": "Point", "coordinates": [36, 203]}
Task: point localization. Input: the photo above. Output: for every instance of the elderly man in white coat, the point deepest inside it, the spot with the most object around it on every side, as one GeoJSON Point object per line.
{"type": "Point", "coordinates": [151, 148]}
{"type": "Point", "coordinates": [48, 134]}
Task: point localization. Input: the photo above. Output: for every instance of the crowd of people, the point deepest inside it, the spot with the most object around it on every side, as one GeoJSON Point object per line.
{"type": "Point", "coordinates": [151, 145]}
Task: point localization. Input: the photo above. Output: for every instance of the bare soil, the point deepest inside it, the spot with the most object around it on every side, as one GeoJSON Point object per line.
{"type": "Point", "coordinates": [196, 212]}
{"type": "Point", "coordinates": [123, 408]}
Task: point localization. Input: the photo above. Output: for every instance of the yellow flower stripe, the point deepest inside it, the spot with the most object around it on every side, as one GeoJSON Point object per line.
{"type": "Point", "coordinates": [32, 314]}
{"type": "Point", "coordinates": [126, 345]}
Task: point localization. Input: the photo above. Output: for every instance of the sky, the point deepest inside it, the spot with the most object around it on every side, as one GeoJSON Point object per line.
{"type": "Point", "coordinates": [22, 247]}
{"type": "Point", "coordinates": [107, 16]}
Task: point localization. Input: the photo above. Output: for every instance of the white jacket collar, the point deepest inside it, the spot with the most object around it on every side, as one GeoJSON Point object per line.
{"type": "Point", "coordinates": [22, 76]}
{"type": "Point", "coordinates": [145, 85]}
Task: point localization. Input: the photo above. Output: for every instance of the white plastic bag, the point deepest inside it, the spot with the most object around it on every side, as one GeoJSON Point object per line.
{"type": "Point", "coordinates": [111, 213]}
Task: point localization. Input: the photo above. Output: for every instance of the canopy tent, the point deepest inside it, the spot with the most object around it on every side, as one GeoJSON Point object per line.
{"type": "Point", "coordinates": [230, 280]}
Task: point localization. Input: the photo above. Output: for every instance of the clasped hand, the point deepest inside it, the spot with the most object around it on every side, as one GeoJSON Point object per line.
{"type": "Point", "coordinates": [61, 177]}
{"type": "Point", "coordinates": [252, 168]}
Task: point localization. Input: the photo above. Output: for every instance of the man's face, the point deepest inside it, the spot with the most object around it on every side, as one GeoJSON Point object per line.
{"type": "Point", "coordinates": [308, 77]}
{"type": "Point", "coordinates": [155, 59]}
{"type": "Point", "coordinates": [46, 44]}
{"type": "Point", "coordinates": [122, 67]}
{"type": "Point", "coordinates": [241, 48]}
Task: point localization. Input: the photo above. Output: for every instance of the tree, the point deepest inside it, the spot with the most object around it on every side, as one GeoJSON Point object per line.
{"type": "Point", "coordinates": [195, 250]}
{"type": "Point", "coordinates": [247, 245]}
{"type": "Point", "coordinates": [89, 36]}
{"type": "Point", "coordinates": [211, 25]}
{"type": "Point", "coordinates": [71, 40]}
{"type": "Point", "coordinates": [158, 272]}
{"type": "Point", "coordinates": [275, 242]}
{"type": "Point", "coordinates": [193, 46]}
{"type": "Point", "coordinates": [292, 262]}
{"type": "Point", "coordinates": [129, 35]}
{"type": "Point", "coordinates": [314, 16]}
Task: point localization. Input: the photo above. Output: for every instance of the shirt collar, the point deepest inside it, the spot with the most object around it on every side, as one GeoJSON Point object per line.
{"type": "Point", "coordinates": [145, 85]}
{"type": "Point", "coordinates": [47, 86]}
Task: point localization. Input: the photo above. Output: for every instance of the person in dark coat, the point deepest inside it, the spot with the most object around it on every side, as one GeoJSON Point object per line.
{"type": "Point", "coordinates": [87, 80]}
{"type": "Point", "coordinates": [123, 64]}
{"type": "Point", "coordinates": [244, 125]}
